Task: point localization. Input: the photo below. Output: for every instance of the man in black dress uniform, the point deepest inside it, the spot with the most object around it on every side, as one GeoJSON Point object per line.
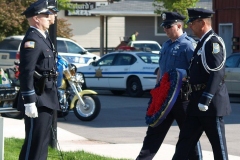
{"type": "Point", "coordinates": [52, 8]}
{"type": "Point", "coordinates": [209, 100]}
{"type": "Point", "coordinates": [38, 92]}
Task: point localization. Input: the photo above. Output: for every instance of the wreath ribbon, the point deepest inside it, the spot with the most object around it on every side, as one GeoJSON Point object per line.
{"type": "Point", "coordinates": [163, 97]}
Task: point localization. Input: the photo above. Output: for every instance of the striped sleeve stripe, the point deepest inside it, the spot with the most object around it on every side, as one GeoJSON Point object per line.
{"type": "Point", "coordinates": [207, 95]}
{"type": "Point", "coordinates": [28, 93]}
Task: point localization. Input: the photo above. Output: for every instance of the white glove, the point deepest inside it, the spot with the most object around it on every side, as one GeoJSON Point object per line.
{"type": "Point", "coordinates": [31, 110]}
{"type": "Point", "coordinates": [202, 107]}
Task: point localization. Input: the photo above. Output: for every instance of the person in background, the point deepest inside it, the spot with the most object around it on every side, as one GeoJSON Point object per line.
{"type": "Point", "coordinates": [52, 8]}
{"type": "Point", "coordinates": [133, 37]}
{"type": "Point", "coordinates": [175, 53]}
{"type": "Point", "coordinates": [61, 63]}
{"type": "Point", "coordinates": [209, 100]}
{"type": "Point", "coordinates": [38, 91]}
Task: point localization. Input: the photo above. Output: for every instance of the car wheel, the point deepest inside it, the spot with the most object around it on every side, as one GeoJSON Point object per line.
{"type": "Point", "coordinates": [117, 92]}
{"type": "Point", "coordinates": [134, 87]}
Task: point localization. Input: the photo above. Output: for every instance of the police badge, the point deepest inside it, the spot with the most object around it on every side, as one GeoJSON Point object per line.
{"type": "Point", "coordinates": [163, 97]}
{"type": "Point", "coordinates": [216, 48]}
{"type": "Point", "coordinates": [164, 16]}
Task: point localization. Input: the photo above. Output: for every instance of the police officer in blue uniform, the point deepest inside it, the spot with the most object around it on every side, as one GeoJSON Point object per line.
{"type": "Point", "coordinates": [175, 53]}
{"type": "Point", "coordinates": [38, 91]}
{"type": "Point", "coordinates": [209, 100]}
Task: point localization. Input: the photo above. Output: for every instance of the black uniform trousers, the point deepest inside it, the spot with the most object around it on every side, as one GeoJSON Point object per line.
{"type": "Point", "coordinates": [37, 135]}
{"type": "Point", "coordinates": [192, 131]}
{"type": "Point", "coordinates": [155, 135]}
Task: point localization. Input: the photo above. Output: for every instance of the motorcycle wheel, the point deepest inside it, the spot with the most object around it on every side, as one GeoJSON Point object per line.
{"type": "Point", "coordinates": [91, 110]}
{"type": "Point", "coordinates": [15, 115]}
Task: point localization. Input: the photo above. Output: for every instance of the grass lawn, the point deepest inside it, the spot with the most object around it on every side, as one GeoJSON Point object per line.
{"type": "Point", "coordinates": [12, 147]}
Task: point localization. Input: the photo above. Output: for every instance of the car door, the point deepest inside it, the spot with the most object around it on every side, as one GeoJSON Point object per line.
{"type": "Point", "coordinates": [97, 75]}
{"type": "Point", "coordinates": [232, 74]}
{"type": "Point", "coordinates": [120, 70]}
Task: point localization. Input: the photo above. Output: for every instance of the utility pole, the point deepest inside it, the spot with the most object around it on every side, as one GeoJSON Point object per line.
{"type": "Point", "coordinates": [53, 37]}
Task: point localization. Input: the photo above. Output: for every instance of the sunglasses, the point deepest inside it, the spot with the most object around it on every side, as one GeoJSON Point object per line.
{"type": "Point", "coordinates": [168, 26]}
{"type": "Point", "coordinates": [192, 23]}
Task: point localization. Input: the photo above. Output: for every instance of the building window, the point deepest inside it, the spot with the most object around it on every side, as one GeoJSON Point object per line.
{"type": "Point", "coordinates": [158, 28]}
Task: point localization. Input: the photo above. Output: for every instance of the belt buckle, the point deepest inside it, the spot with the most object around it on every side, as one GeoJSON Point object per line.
{"type": "Point", "coordinates": [198, 87]}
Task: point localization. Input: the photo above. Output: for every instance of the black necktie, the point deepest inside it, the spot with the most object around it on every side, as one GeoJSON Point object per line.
{"type": "Point", "coordinates": [197, 48]}
{"type": "Point", "coordinates": [50, 41]}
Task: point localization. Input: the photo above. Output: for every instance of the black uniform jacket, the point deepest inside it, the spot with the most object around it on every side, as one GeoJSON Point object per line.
{"type": "Point", "coordinates": [36, 54]}
{"type": "Point", "coordinates": [219, 104]}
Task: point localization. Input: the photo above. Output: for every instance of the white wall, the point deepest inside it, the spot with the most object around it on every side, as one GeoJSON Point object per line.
{"type": "Point", "coordinates": [86, 30]}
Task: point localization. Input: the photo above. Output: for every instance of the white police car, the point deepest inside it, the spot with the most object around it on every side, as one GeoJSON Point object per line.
{"type": "Point", "coordinates": [120, 71]}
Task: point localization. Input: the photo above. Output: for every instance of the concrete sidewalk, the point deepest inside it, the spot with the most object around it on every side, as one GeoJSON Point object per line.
{"type": "Point", "coordinates": [72, 142]}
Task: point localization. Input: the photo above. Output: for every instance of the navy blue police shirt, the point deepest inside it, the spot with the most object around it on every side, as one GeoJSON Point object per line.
{"type": "Point", "coordinates": [176, 54]}
{"type": "Point", "coordinates": [37, 54]}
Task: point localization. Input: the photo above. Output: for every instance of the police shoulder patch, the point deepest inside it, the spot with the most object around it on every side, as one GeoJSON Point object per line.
{"type": "Point", "coordinates": [29, 44]}
{"type": "Point", "coordinates": [216, 48]}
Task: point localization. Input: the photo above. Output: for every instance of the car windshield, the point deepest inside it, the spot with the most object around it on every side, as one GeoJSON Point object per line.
{"type": "Point", "coordinates": [75, 59]}
{"type": "Point", "coordinates": [10, 44]}
{"type": "Point", "coordinates": [149, 57]}
{"type": "Point", "coordinates": [153, 47]}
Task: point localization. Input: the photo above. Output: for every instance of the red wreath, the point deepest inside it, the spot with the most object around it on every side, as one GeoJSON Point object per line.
{"type": "Point", "coordinates": [163, 97]}
{"type": "Point", "coordinates": [159, 95]}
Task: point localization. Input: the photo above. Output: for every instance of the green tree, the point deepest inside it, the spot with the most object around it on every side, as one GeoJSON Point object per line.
{"type": "Point", "coordinates": [10, 19]}
{"type": "Point", "coordinates": [13, 23]}
{"type": "Point", "coordinates": [63, 28]}
{"type": "Point", "coordinates": [174, 6]}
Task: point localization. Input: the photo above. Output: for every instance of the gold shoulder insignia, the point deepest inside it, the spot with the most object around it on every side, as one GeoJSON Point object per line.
{"type": "Point", "coordinates": [29, 44]}
{"type": "Point", "coordinates": [216, 48]}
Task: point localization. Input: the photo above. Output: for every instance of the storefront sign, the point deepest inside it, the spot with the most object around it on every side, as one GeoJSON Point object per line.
{"type": "Point", "coordinates": [83, 8]}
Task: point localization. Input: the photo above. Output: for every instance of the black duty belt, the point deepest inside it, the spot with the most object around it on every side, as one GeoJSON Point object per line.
{"type": "Point", "coordinates": [39, 85]}
{"type": "Point", "coordinates": [198, 87]}
{"type": "Point", "coordinates": [49, 75]}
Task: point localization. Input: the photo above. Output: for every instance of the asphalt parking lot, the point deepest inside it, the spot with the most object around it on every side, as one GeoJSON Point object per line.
{"type": "Point", "coordinates": [122, 120]}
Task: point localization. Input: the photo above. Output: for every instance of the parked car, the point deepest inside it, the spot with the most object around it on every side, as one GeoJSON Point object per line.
{"type": "Point", "coordinates": [120, 71]}
{"type": "Point", "coordinates": [9, 50]}
{"type": "Point", "coordinates": [232, 73]}
{"type": "Point", "coordinates": [145, 45]}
